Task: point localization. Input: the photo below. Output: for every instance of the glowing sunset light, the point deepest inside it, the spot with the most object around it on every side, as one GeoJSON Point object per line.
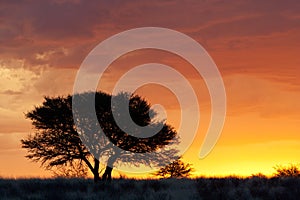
{"type": "Point", "coordinates": [255, 46]}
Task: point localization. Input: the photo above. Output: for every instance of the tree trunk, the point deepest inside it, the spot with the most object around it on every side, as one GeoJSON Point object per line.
{"type": "Point", "coordinates": [96, 171]}
{"type": "Point", "coordinates": [109, 167]}
{"type": "Point", "coordinates": [107, 174]}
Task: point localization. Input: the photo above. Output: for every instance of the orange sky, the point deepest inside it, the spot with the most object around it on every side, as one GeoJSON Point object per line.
{"type": "Point", "coordinates": [255, 45]}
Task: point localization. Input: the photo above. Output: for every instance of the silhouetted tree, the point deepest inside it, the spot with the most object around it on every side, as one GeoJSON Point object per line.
{"type": "Point", "coordinates": [287, 171]}
{"type": "Point", "coordinates": [56, 140]}
{"type": "Point", "coordinates": [176, 169]}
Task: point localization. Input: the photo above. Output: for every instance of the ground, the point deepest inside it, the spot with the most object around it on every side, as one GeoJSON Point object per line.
{"type": "Point", "coordinates": [200, 188]}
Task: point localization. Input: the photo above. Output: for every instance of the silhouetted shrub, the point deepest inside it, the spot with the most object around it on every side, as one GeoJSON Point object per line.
{"type": "Point", "coordinates": [287, 171]}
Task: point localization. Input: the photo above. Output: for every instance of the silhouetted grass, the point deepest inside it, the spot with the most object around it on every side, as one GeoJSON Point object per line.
{"type": "Point", "coordinates": [249, 188]}
{"type": "Point", "coordinates": [202, 188]}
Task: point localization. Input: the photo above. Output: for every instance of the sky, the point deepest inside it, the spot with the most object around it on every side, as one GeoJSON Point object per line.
{"type": "Point", "coordinates": [255, 45]}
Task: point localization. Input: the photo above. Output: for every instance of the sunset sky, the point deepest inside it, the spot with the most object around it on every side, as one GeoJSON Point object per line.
{"type": "Point", "coordinates": [255, 44]}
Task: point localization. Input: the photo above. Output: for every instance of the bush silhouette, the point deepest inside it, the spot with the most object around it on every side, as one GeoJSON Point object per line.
{"type": "Point", "coordinates": [176, 169]}
{"type": "Point", "coordinates": [76, 169]}
{"type": "Point", "coordinates": [287, 171]}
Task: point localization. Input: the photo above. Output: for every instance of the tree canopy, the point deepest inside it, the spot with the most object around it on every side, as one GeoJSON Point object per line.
{"type": "Point", "coordinates": [57, 141]}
